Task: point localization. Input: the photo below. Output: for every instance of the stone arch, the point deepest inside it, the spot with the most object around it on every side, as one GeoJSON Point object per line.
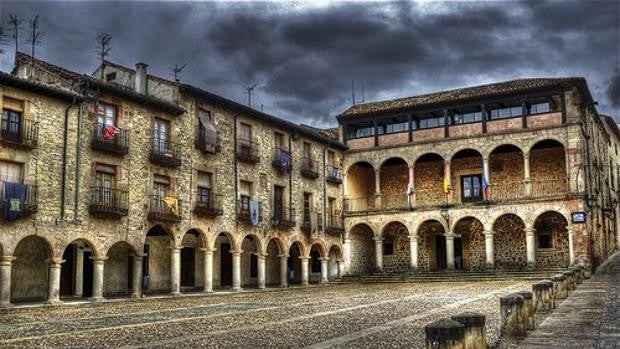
{"type": "Point", "coordinates": [362, 258]}
{"type": "Point", "coordinates": [388, 158]}
{"type": "Point", "coordinates": [252, 248]}
{"type": "Point", "coordinates": [205, 241]}
{"type": "Point", "coordinates": [360, 186]}
{"type": "Point", "coordinates": [393, 183]}
{"type": "Point", "coordinates": [296, 251]}
{"type": "Point", "coordinates": [469, 244]}
{"type": "Point", "coordinates": [274, 250]}
{"type": "Point", "coordinates": [431, 217]}
{"type": "Point", "coordinates": [528, 147]}
{"type": "Point", "coordinates": [396, 249]}
{"type": "Point", "coordinates": [495, 147]}
{"type": "Point", "coordinates": [510, 248]}
{"type": "Point", "coordinates": [231, 238]}
{"type": "Point", "coordinates": [428, 154]}
{"type": "Point", "coordinates": [224, 245]}
{"type": "Point", "coordinates": [548, 171]}
{"type": "Point", "coordinates": [77, 270]}
{"type": "Point", "coordinates": [317, 252]}
{"type": "Point", "coordinates": [428, 170]}
{"type": "Point", "coordinates": [463, 151]}
{"type": "Point", "coordinates": [29, 272]}
{"type": "Point", "coordinates": [157, 269]}
{"type": "Point", "coordinates": [192, 245]}
{"type": "Point", "coordinates": [431, 244]}
{"type": "Point", "coordinates": [551, 240]}
{"type": "Point", "coordinates": [466, 175]}
{"type": "Point", "coordinates": [118, 269]}
{"type": "Point", "coordinates": [335, 256]}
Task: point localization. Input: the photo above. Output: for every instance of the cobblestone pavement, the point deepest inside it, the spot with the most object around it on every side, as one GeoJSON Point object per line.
{"type": "Point", "coordinates": [344, 316]}
{"type": "Point", "coordinates": [589, 318]}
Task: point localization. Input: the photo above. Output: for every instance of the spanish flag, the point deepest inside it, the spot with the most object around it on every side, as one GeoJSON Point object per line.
{"type": "Point", "coordinates": [446, 181]}
{"type": "Point", "coordinates": [172, 204]}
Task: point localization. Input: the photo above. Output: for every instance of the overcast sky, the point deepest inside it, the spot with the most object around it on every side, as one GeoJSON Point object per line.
{"type": "Point", "coordinates": [303, 55]}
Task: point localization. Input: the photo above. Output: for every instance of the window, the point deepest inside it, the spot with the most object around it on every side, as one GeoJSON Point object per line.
{"type": "Point", "coordinates": [307, 150]}
{"type": "Point", "coordinates": [540, 107]}
{"type": "Point", "coordinates": [395, 127]}
{"type": "Point", "coordinates": [471, 188]}
{"type": "Point", "coordinates": [161, 135]}
{"type": "Point", "coordinates": [388, 247]}
{"type": "Point", "coordinates": [10, 172]}
{"type": "Point", "coordinates": [307, 208]}
{"type": "Point", "coordinates": [464, 118]}
{"type": "Point", "coordinates": [245, 132]}
{"type": "Point", "coordinates": [432, 122]}
{"type": "Point", "coordinates": [245, 193]}
{"type": "Point", "coordinates": [106, 116]}
{"type": "Point", "coordinates": [361, 131]}
{"type": "Point", "coordinates": [161, 185]}
{"type": "Point", "coordinates": [506, 112]}
{"type": "Point", "coordinates": [11, 119]}
{"type": "Point", "coordinates": [544, 237]}
{"type": "Point", "coordinates": [110, 77]}
{"type": "Point", "coordinates": [278, 140]}
{"type": "Point", "coordinates": [203, 190]}
{"type": "Point", "coordinates": [105, 182]}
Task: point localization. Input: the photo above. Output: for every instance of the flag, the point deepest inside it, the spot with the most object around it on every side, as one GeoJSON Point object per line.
{"type": "Point", "coordinates": [446, 180]}
{"type": "Point", "coordinates": [254, 214]}
{"type": "Point", "coordinates": [172, 204]}
{"type": "Point", "coordinates": [109, 131]}
{"type": "Point", "coordinates": [485, 181]}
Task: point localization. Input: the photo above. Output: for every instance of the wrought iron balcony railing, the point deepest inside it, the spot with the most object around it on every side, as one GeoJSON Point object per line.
{"type": "Point", "coordinates": [282, 160]}
{"type": "Point", "coordinates": [244, 214]}
{"type": "Point", "coordinates": [165, 153]}
{"type": "Point", "coordinates": [283, 217]}
{"type": "Point", "coordinates": [110, 139]}
{"type": "Point", "coordinates": [17, 200]}
{"type": "Point", "coordinates": [164, 208]}
{"type": "Point", "coordinates": [309, 168]}
{"type": "Point", "coordinates": [333, 174]}
{"type": "Point", "coordinates": [551, 187]}
{"type": "Point", "coordinates": [108, 202]}
{"type": "Point", "coordinates": [333, 224]}
{"type": "Point", "coordinates": [24, 133]}
{"type": "Point", "coordinates": [247, 151]}
{"type": "Point", "coordinates": [312, 222]}
{"type": "Point", "coordinates": [208, 205]}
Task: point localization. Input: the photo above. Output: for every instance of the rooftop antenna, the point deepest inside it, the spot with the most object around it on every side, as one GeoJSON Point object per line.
{"type": "Point", "coordinates": [250, 89]}
{"type": "Point", "coordinates": [177, 71]}
{"type": "Point", "coordinates": [261, 107]}
{"type": "Point", "coordinates": [4, 39]}
{"type": "Point", "coordinates": [363, 98]}
{"type": "Point", "coordinates": [34, 39]}
{"type": "Point", "coordinates": [353, 91]}
{"type": "Point", "coordinates": [103, 48]}
{"type": "Point", "coordinates": [15, 23]}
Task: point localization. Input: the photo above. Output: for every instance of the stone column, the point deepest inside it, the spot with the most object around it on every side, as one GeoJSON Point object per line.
{"type": "Point", "coordinates": [5, 281]}
{"type": "Point", "coordinates": [526, 175]}
{"type": "Point", "coordinates": [450, 251]}
{"type": "Point", "coordinates": [304, 270]}
{"type": "Point", "coordinates": [236, 272]}
{"type": "Point", "coordinates": [283, 271]}
{"type": "Point", "coordinates": [53, 288]}
{"type": "Point", "coordinates": [571, 247]}
{"type": "Point", "coordinates": [261, 270]}
{"type": "Point", "coordinates": [413, 252]}
{"type": "Point", "coordinates": [324, 278]}
{"type": "Point", "coordinates": [530, 244]}
{"type": "Point", "coordinates": [378, 188]}
{"type": "Point", "coordinates": [136, 281]}
{"type": "Point", "coordinates": [98, 265]}
{"type": "Point", "coordinates": [378, 254]}
{"type": "Point", "coordinates": [175, 271]}
{"type": "Point", "coordinates": [569, 185]}
{"type": "Point", "coordinates": [79, 270]}
{"type": "Point", "coordinates": [489, 249]}
{"type": "Point", "coordinates": [208, 269]}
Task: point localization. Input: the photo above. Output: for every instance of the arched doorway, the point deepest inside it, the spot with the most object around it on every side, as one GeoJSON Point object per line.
{"type": "Point", "coordinates": [466, 176]}
{"type": "Point", "coordinates": [551, 241]}
{"type": "Point", "coordinates": [272, 262]}
{"type": "Point", "coordinates": [294, 263]}
{"type": "Point", "coordinates": [360, 187]}
{"type": "Point", "coordinates": [76, 272]}
{"type": "Point", "coordinates": [30, 269]}
{"type": "Point", "coordinates": [469, 245]}
{"type": "Point", "coordinates": [431, 246]}
{"type": "Point", "coordinates": [223, 261]}
{"type": "Point", "coordinates": [548, 169]}
{"type": "Point", "coordinates": [396, 252]}
{"type": "Point", "coordinates": [249, 261]}
{"type": "Point", "coordinates": [317, 253]}
{"type": "Point", "coordinates": [156, 267]}
{"type": "Point", "coordinates": [428, 180]}
{"type": "Point", "coordinates": [394, 180]}
{"type": "Point", "coordinates": [335, 255]}
{"type": "Point", "coordinates": [118, 270]}
{"type": "Point", "coordinates": [510, 244]}
{"type": "Point", "coordinates": [506, 173]}
{"type": "Point", "coordinates": [362, 250]}
{"type": "Point", "coordinates": [192, 261]}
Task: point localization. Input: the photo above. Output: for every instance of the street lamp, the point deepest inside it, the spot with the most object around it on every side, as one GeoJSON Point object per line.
{"type": "Point", "coordinates": [591, 201]}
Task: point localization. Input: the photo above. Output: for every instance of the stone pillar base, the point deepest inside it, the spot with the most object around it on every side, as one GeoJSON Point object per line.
{"type": "Point", "coordinates": [54, 302]}
{"type": "Point", "coordinates": [6, 305]}
{"type": "Point", "coordinates": [96, 299]}
{"type": "Point", "coordinates": [176, 294]}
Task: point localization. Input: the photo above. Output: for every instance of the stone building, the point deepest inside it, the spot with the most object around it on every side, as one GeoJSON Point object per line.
{"type": "Point", "coordinates": [498, 176]}
{"type": "Point", "coordinates": [121, 183]}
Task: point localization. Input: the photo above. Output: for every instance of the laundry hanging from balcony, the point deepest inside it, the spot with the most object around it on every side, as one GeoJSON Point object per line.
{"type": "Point", "coordinates": [209, 133]}
{"type": "Point", "coordinates": [14, 200]}
{"type": "Point", "coordinates": [254, 214]}
{"type": "Point", "coordinates": [109, 131]}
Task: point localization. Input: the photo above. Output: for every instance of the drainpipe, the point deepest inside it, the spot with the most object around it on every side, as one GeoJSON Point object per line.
{"type": "Point", "coordinates": [63, 182]}
{"type": "Point", "coordinates": [77, 163]}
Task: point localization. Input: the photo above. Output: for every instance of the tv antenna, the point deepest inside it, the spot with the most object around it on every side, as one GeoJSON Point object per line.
{"type": "Point", "coordinates": [176, 70]}
{"type": "Point", "coordinates": [250, 89]}
{"type": "Point", "coordinates": [103, 48]}
{"type": "Point", "coordinates": [34, 39]}
{"type": "Point", "coordinates": [15, 23]}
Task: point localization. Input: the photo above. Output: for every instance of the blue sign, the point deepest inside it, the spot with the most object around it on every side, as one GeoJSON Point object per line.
{"type": "Point", "coordinates": [578, 217]}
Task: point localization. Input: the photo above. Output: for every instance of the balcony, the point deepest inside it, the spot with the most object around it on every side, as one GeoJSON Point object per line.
{"type": "Point", "coordinates": [359, 204]}
{"type": "Point", "coordinates": [334, 225]}
{"type": "Point", "coordinates": [247, 151]}
{"type": "Point", "coordinates": [209, 205]}
{"type": "Point", "coordinates": [207, 141]}
{"type": "Point", "coordinates": [282, 160]}
{"type": "Point", "coordinates": [334, 174]}
{"type": "Point", "coordinates": [164, 209]}
{"type": "Point", "coordinates": [508, 191]}
{"type": "Point", "coordinates": [115, 141]}
{"type": "Point", "coordinates": [17, 200]}
{"type": "Point", "coordinates": [549, 188]}
{"type": "Point", "coordinates": [312, 223]}
{"type": "Point", "coordinates": [244, 214]}
{"type": "Point", "coordinates": [164, 153]}
{"type": "Point", "coordinates": [24, 134]}
{"type": "Point", "coordinates": [309, 168]}
{"type": "Point", "coordinates": [283, 217]}
{"type": "Point", "coordinates": [395, 202]}
{"type": "Point", "coordinates": [108, 202]}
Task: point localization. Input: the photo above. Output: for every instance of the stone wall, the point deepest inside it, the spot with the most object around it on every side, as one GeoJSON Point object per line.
{"type": "Point", "coordinates": [116, 274]}
{"type": "Point", "coordinates": [362, 259]}
{"type": "Point", "coordinates": [398, 235]}
{"type": "Point", "coordinates": [510, 245]}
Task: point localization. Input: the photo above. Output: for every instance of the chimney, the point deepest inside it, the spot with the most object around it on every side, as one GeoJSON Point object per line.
{"type": "Point", "coordinates": [140, 83]}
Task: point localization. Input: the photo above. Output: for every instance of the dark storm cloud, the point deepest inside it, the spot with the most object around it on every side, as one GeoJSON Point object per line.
{"type": "Point", "coordinates": [303, 57]}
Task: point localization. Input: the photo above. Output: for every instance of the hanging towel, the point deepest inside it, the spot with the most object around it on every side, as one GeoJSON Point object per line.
{"type": "Point", "coordinates": [210, 133]}
{"type": "Point", "coordinates": [254, 212]}
{"type": "Point", "coordinates": [14, 200]}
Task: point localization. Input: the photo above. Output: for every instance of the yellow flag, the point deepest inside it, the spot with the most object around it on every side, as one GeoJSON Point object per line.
{"type": "Point", "coordinates": [446, 182]}
{"type": "Point", "coordinates": [172, 204]}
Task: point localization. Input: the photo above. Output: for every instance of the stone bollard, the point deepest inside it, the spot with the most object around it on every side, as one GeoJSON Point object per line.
{"type": "Point", "coordinates": [559, 286]}
{"type": "Point", "coordinates": [511, 308]}
{"type": "Point", "coordinates": [587, 271]}
{"type": "Point", "coordinates": [528, 309]}
{"type": "Point", "coordinates": [475, 335]}
{"type": "Point", "coordinates": [542, 296]}
{"type": "Point", "coordinates": [444, 334]}
{"type": "Point", "coordinates": [578, 275]}
{"type": "Point", "coordinates": [570, 280]}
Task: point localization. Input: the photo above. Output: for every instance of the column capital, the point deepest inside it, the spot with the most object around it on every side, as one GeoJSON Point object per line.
{"type": "Point", "coordinates": [175, 248]}
{"type": "Point", "coordinates": [6, 260]}
{"type": "Point", "coordinates": [261, 256]}
{"type": "Point", "coordinates": [413, 237]}
{"type": "Point", "coordinates": [137, 257]}
{"type": "Point", "coordinates": [284, 255]}
{"type": "Point", "coordinates": [530, 231]}
{"type": "Point", "coordinates": [304, 258]}
{"type": "Point", "coordinates": [207, 250]}
{"type": "Point", "coordinates": [324, 259]}
{"type": "Point", "coordinates": [449, 235]}
{"type": "Point", "coordinates": [99, 260]}
{"type": "Point", "coordinates": [489, 233]}
{"type": "Point", "coordinates": [377, 171]}
{"type": "Point", "coordinates": [236, 252]}
{"type": "Point", "coordinates": [377, 239]}
{"type": "Point", "coordinates": [56, 262]}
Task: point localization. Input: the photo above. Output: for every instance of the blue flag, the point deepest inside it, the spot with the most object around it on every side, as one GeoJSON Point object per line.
{"type": "Point", "coordinates": [254, 212]}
